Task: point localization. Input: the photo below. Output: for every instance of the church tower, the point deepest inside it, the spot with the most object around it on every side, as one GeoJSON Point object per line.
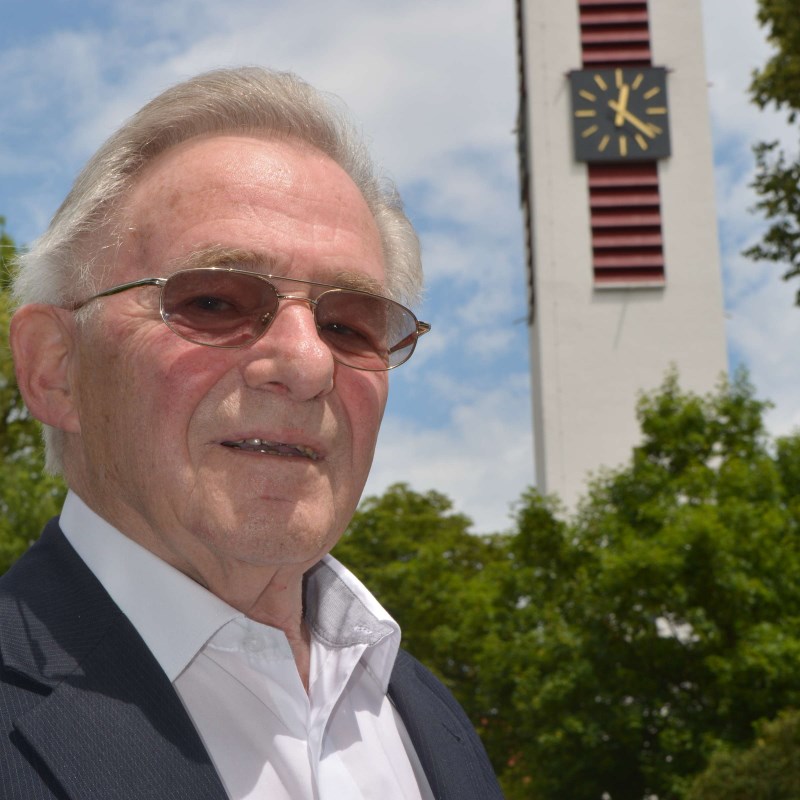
{"type": "Point", "coordinates": [621, 232]}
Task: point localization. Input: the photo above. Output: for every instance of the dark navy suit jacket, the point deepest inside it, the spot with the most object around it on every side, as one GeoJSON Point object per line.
{"type": "Point", "coordinates": [86, 712]}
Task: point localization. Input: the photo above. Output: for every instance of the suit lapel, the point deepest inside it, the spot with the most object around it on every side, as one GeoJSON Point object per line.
{"type": "Point", "coordinates": [110, 726]}
{"type": "Point", "coordinates": [118, 730]}
{"type": "Point", "coordinates": [448, 748]}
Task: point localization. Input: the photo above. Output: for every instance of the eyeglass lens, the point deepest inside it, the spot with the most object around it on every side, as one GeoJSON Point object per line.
{"type": "Point", "coordinates": [225, 308]}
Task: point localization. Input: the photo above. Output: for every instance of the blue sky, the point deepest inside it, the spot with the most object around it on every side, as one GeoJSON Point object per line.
{"type": "Point", "coordinates": [433, 84]}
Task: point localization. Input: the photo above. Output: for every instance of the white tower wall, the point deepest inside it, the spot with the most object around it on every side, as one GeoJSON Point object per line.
{"type": "Point", "coordinates": [594, 349]}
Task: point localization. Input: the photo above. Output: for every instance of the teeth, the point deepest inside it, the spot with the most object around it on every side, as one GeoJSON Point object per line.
{"type": "Point", "coordinates": [273, 448]}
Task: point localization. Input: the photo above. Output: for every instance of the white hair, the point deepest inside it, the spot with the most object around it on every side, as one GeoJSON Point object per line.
{"type": "Point", "coordinates": [59, 267]}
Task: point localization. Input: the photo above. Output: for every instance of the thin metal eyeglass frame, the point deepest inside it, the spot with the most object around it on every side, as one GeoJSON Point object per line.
{"type": "Point", "coordinates": [421, 327]}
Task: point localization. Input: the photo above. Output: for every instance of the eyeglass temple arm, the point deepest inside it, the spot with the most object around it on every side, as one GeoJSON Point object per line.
{"type": "Point", "coordinates": [422, 328]}
{"type": "Point", "coordinates": [121, 288]}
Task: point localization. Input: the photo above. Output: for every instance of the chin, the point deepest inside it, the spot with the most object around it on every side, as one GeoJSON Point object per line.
{"type": "Point", "coordinates": [273, 539]}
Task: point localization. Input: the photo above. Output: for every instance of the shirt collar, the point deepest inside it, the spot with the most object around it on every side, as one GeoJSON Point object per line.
{"type": "Point", "coordinates": [342, 612]}
{"type": "Point", "coordinates": [177, 616]}
{"type": "Point", "coordinates": [172, 613]}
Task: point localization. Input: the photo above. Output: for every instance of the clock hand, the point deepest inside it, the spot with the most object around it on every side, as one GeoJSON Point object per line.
{"type": "Point", "coordinates": [622, 104]}
{"type": "Point", "coordinates": [647, 130]}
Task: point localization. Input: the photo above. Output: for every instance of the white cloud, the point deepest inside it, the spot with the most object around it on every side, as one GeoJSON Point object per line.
{"type": "Point", "coordinates": [765, 327]}
{"type": "Point", "coordinates": [483, 459]}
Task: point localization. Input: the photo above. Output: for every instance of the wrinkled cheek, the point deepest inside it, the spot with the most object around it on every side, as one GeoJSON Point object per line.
{"type": "Point", "coordinates": [370, 432]}
{"type": "Point", "coordinates": [365, 423]}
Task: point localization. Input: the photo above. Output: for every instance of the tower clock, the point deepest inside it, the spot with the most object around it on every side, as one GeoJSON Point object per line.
{"type": "Point", "coordinates": [620, 114]}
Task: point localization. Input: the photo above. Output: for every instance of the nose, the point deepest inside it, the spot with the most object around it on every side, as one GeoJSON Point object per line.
{"type": "Point", "coordinates": [290, 358]}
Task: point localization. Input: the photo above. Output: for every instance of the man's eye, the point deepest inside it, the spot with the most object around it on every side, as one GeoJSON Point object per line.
{"type": "Point", "coordinates": [342, 329]}
{"type": "Point", "coordinates": [209, 304]}
{"type": "Point", "coordinates": [348, 338]}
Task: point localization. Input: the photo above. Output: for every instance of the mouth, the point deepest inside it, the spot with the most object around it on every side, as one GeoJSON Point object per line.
{"type": "Point", "coordinates": [273, 448]}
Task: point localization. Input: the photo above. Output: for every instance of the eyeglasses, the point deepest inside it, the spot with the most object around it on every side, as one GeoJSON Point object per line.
{"type": "Point", "coordinates": [230, 308]}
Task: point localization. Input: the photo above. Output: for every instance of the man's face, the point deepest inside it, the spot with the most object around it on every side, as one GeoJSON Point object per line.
{"type": "Point", "coordinates": [155, 410]}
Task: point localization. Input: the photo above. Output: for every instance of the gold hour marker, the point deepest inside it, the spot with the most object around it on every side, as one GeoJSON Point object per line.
{"type": "Point", "coordinates": [618, 78]}
{"type": "Point", "coordinates": [589, 131]}
{"type": "Point", "coordinates": [656, 110]}
{"type": "Point", "coordinates": [641, 141]}
{"type": "Point", "coordinates": [623, 145]}
{"type": "Point", "coordinates": [637, 81]}
{"type": "Point", "coordinates": [598, 79]}
{"type": "Point", "coordinates": [651, 92]}
{"type": "Point", "coordinates": [586, 95]}
{"type": "Point", "coordinates": [604, 143]}
{"type": "Point", "coordinates": [586, 112]}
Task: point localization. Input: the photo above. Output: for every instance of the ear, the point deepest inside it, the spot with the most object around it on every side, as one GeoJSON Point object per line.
{"type": "Point", "coordinates": [43, 345]}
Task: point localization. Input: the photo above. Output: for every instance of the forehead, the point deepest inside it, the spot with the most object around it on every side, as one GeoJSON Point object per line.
{"type": "Point", "coordinates": [281, 198]}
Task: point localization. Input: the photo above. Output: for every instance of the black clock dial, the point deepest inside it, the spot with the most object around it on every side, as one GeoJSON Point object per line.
{"type": "Point", "coordinates": [620, 114]}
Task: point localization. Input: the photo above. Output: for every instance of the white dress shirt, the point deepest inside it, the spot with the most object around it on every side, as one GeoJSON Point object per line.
{"type": "Point", "coordinates": [267, 737]}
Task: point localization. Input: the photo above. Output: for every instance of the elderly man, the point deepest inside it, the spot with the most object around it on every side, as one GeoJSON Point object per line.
{"type": "Point", "coordinates": [206, 331]}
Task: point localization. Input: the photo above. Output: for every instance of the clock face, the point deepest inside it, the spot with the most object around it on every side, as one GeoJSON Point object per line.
{"type": "Point", "coordinates": [620, 114]}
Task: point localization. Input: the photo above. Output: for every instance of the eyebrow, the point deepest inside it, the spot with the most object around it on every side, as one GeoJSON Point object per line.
{"type": "Point", "coordinates": [221, 256]}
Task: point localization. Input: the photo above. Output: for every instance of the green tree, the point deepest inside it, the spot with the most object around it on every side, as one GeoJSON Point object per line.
{"type": "Point", "coordinates": [28, 495]}
{"type": "Point", "coordinates": [777, 173]}
{"type": "Point", "coordinates": [663, 619]}
{"type": "Point", "coordinates": [522, 656]}
{"type": "Point", "coordinates": [768, 770]}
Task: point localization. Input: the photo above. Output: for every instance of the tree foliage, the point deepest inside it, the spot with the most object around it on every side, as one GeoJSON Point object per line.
{"type": "Point", "coordinates": [674, 624]}
{"type": "Point", "coordinates": [768, 770]}
{"type": "Point", "coordinates": [28, 495]}
{"type": "Point", "coordinates": [777, 83]}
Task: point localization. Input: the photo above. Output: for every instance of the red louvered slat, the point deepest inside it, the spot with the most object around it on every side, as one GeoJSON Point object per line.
{"type": "Point", "coordinates": [623, 196]}
{"type": "Point", "coordinates": [614, 36]}
{"type": "Point", "coordinates": [616, 277]}
{"type": "Point", "coordinates": [629, 56]}
{"type": "Point", "coordinates": [603, 17]}
{"type": "Point", "coordinates": [634, 218]}
{"type": "Point", "coordinates": [628, 260]}
{"type": "Point", "coordinates": [626, 238]}
{"type": "Point", "coordinates": [616, 3]}
{"type": "Point", "coordinates": [640, 174]}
